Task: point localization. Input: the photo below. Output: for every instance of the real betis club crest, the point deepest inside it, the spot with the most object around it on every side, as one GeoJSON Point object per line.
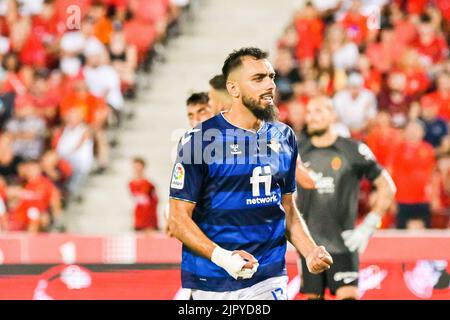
{"type": "Point", "coordinates": [274, 145]}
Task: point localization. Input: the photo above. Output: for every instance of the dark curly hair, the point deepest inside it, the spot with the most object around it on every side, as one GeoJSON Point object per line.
{"type": "Point", "coordinates": [234, 60]}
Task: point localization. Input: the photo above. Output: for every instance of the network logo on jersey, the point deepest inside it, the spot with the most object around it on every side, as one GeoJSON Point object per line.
{"type": "Point", "coordinates": [261, 175]}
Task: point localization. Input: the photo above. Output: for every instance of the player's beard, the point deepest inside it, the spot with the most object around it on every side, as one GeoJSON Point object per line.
{"type": "Point", "coordinates": [267, 113]}
{"type": "Point", "coordinates": [317, 132]}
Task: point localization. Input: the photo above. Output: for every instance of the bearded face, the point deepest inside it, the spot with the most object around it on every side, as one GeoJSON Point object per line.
{"type": "Point", "coordinates": [263, 108]}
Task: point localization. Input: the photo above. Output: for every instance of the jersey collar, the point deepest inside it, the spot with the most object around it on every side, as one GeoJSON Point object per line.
{"type": "Point", "coordinates": [261, 128]}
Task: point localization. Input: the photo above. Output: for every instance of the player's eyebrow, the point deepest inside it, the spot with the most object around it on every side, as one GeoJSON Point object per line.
{"type": "Point", "coordinates": [263, 75]}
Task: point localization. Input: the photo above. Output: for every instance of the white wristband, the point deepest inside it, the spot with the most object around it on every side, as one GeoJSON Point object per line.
{"type": "Point", "coordinates": [232, 263]}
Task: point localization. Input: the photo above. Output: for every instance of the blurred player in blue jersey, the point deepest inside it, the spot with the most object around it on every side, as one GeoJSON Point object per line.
{"type": "Point", "coordinates": [231, 193]}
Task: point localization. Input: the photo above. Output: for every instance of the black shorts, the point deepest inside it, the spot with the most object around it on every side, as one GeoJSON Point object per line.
{"type": "Point", "coordinates": [343, 272]}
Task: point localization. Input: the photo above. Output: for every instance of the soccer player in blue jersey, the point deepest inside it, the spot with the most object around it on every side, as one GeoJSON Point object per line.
{"type": "Point", "coordinates": [231, 193]}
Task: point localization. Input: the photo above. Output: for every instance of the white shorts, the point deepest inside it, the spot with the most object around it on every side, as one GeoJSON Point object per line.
{"type": "Point", "coordinates": [270, 289]}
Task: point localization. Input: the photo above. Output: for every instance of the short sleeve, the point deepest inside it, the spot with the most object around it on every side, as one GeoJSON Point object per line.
{"type": "Point", "coordinates": [365, 162]}
{"type": "Point", "coordinates": [187, 174]}
{"type": "Point", "coordinates": [290, 184]}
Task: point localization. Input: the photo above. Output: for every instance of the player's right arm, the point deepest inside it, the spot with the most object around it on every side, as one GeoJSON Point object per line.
{"type": "Point", "coordinates": [182, 227]}
{"type": "Point", "coordinates": [185, 190]}
{"type": "Point", "coordinates": [239, 264]}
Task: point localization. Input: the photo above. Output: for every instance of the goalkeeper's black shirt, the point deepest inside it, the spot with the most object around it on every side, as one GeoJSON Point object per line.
{"type": "Point", "coordinates": [332, 207]}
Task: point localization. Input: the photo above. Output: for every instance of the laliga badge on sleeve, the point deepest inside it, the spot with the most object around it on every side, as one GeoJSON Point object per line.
{"type": "Point", "coordinates": [178, 177]}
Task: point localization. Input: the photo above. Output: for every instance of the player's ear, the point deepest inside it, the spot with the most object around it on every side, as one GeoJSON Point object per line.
{"type": "Point", "coordinates": [233, 89]}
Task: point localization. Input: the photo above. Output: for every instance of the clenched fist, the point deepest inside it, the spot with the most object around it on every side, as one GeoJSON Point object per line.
{"type": "Point", "coordinates": [319, 260]}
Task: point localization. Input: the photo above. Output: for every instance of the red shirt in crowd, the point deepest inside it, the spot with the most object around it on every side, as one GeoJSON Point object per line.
{"type": "Point", "coordinates": [36, 194]}
{"type": "Point", "coordinates": [436, 50]}
{"type": "Point", "coordinates": [444, 6]}
{"type": "Point", "coordinates": [372, 80]}
{"type": "Point", "coordinates": [146, 203]}
{"type": "Point", "coordinates": [41, 190]}
{"type": "Point", "coordinates": [383, 142]}
{"type": "Point", "coordinates": [355, 25]}
{"type": "Point", "coordinates": [405, 31]}
{"type": "Point", "coordinates": [412, 168]}
{"type": "Point", "coordinates": [417, 82]}
{"type": "Point", "coordinates": [310, 36]}
{"type": "Point", "coordinates": [383, 57]}
{"type": "Point", "coordinates": [441, 100]}
{"type": "Point", "coordinates": [413, 6]}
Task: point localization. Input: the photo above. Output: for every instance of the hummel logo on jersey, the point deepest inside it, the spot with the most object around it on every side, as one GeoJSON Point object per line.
{"type": "Point", "coordinates": [235, 149]}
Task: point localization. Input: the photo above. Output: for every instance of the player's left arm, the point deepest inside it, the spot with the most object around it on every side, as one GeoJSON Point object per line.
{"type": "Point", "coordinates": [297, 233]}
{"type": "Point", "coordinates": [317, 257]}
{"type": "Point", "coordinates": [384, 195]}
{"type": "Point", "coordinates": [358, 238]}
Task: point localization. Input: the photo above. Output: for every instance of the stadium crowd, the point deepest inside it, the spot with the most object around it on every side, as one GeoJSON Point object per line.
{"type": "Point", "coordinates": [386, 66]}
{"type": "Point", "coordinates": [67, 67]}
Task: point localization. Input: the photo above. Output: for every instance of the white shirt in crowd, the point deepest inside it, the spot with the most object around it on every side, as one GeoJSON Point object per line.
{"type": "Point", "coordinates": [346, 57]}
{"type": "Point", "coordinates": [82, 158]}
{"type": "Point", "coordinates": [104, 81]}
{"type": "Point", "coordinates": [355, 113]}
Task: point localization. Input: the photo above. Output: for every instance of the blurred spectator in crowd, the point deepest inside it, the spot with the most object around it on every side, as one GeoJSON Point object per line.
{"type": "Point", "coordinates": [102, 79]}
{"type": "Point", "coordinates": [41, 189]}
{"type": "Point", "coordinates": [383, 139]}
{"type": "Point", "coordinates": [393, 99]}
{"type": "Point", "coordinates": [344, 52]}
{"type": "Point", "coordinates": [37, 205]}
{"type": "Point", "coordinates": [435, 127]}
{"type": "Point", "coordinates": [431, 45]}
{"type": "Point", "coordinates": [219, 98]}
{"type": "Point", "coordinates": [6, 103]}
{"type": "Point", "coordinates": [9, 161]}
{"type": "Point", "coordinates": [309, 28]}
{"type": "Point", "coordinates": [95, 114]}
{"type": "Point", "coordinates": [372, 77]}
{"type": "Point", "coordinates": [441, 96]}
{"type": "Point", "coordinates": [355, 106]}
{"type": "Point", "coordinates": [329, 78]}
{"type": "Point", "coordinates": [198, 108]}
{"type": "Point", "coordinates": [124, 59]}
{"type": "Point", "coordinates": [412, 167]}
{"type": "Point", "coordinates": [44, 100]}
{"type": "Point", "coordinates": [58, 170]}
{"type": "Point", "coordinates": [145, 198]}
{"type": "Point", "coordinates": [355, 23]}
{"type": "Point", "coordinates": [74, 143]}
{"type": "Point", "coordinates": [287, 74]}
{"type": "Point", "coordinates": [384, 53]}
{"type": "Point", "coordinates": [26, 129]}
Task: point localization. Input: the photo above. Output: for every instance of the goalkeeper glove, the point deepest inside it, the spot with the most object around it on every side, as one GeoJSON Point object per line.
{"type": "Point", "coordinates": [358, 238]}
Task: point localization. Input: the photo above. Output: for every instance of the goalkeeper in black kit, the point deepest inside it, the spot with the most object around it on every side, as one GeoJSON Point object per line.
{"type": "Point", "coordinates": [337, 165]}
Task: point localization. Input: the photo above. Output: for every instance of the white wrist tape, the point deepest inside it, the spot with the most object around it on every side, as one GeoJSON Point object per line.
{"type": "Point", "coordinates": [232, 263]}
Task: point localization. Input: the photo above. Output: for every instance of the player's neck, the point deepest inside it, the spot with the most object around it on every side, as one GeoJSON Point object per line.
{"type": "Point", "coordinates": [325, 140]}
{"type": "Point", "coordinates": [239, 116]}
